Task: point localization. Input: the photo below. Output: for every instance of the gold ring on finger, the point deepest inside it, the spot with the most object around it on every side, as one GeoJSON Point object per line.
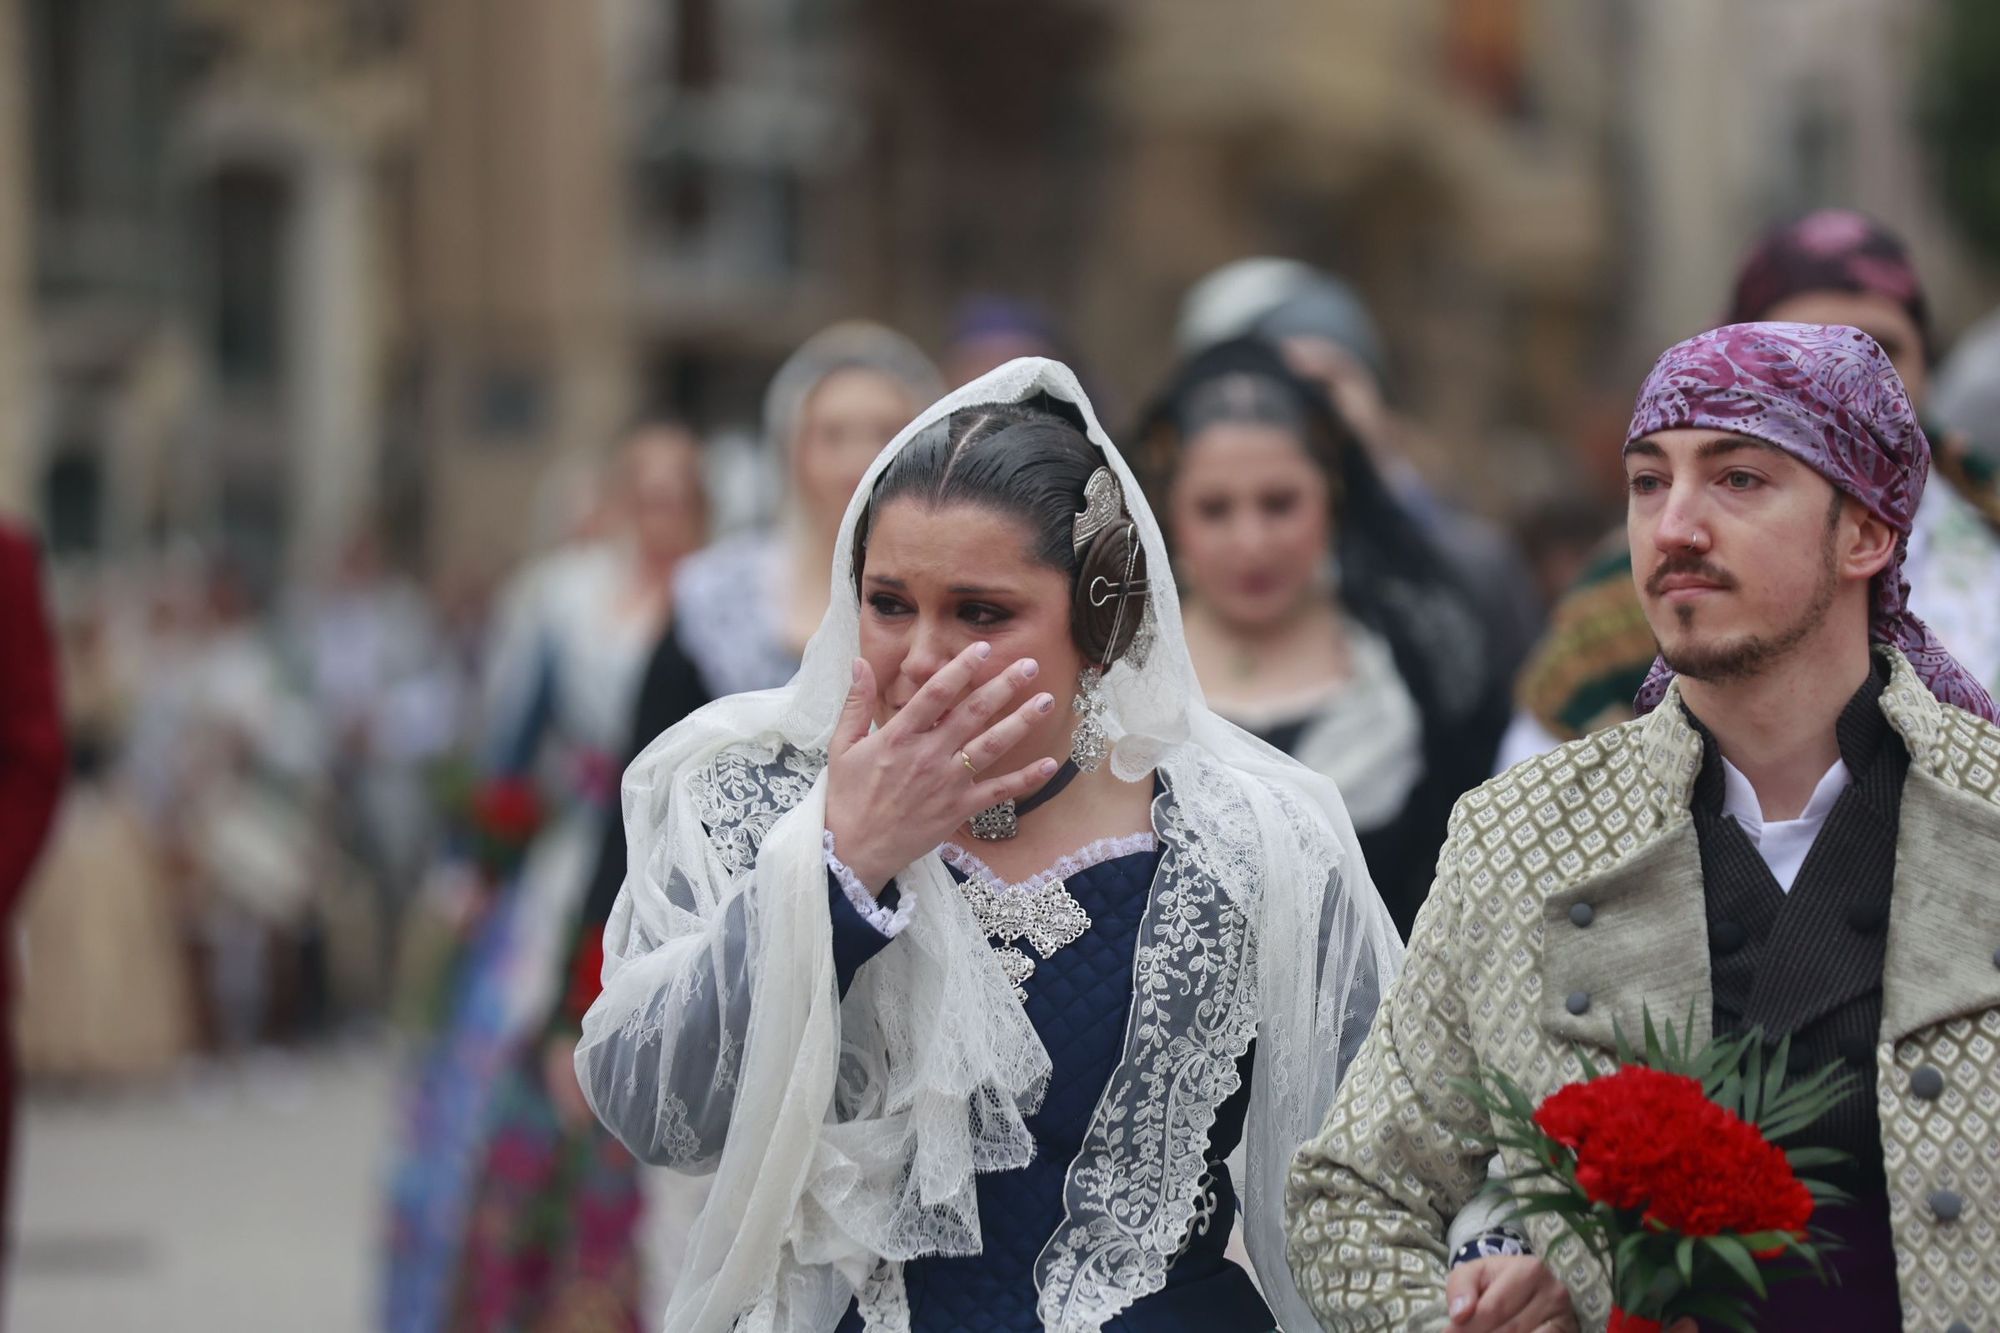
{"type": "Point", "coordinates": [970, 767]}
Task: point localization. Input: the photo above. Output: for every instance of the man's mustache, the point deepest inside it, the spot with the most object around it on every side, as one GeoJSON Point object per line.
{"type": "Point", "coordinates": [1687, 562]}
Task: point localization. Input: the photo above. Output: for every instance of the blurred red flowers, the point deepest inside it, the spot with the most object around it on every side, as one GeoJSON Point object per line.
{"type": "Point", "coordinates": [507, 809]}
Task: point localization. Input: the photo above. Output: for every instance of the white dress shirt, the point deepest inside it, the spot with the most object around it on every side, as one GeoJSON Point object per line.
{"type": "Point", "coordinates": [1783, 843]}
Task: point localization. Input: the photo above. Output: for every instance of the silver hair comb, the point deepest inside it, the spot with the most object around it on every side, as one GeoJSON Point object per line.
{"type": "Point", "coordinates": [1103, 505]}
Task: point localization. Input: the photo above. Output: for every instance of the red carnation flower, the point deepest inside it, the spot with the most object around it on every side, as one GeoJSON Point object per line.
{"type": "Point", "coordinates": [1654, 1141]}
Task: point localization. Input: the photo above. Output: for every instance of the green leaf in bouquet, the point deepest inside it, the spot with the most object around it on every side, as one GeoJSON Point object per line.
{"type": "Point", "coordinates": [1729, 1092]}
{"type": "Point", "coordinates": [1802, 1159]}
{"type": "Point", "coordinates": [1536, 1205]}
{"type": "Point", "coordinates": [1722, 1061]}
{"type": "Point", "coordinates": [1774, 1081]}
{"type": "Point", "coordinates": [1805, 1101]}
{"type": "Point", "coordinates": [1627, 1257]}
{"type": "Point", "coordinates": [1750, 1099]}
{"type": "Point", "coordinates": [1757, 1242]}
{"type": "Point", "coordinates": [1781, 1127]}
{"type": "Point", "coordinates": [1684, 1258]}
{"type": "Point", "coordinates": [1716, 1308]}
{"type": "Point", "coordinates": [1733, 1252]}
{"type": "Point", "coordinates": [1824, 1193]}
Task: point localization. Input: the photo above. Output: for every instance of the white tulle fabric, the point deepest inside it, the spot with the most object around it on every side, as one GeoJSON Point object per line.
{"type": "Point", "coordinates": [844, 1137]}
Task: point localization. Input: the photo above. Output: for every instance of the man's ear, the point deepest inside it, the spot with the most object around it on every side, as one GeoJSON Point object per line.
{"type": "Point", "coordinates": [1873, 544]}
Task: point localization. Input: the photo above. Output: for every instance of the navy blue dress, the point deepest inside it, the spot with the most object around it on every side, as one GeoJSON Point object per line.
{"type": "Point", "coordinates": [1079, 1002]}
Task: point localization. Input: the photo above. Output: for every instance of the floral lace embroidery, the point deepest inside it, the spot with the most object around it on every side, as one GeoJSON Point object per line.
{"type": "Point", "coordinates": [883, 1301]}
{"type": "Point", "coordinates": [677, 1140]}
{"type": "Point", "coordinates": [745, 790]}
{"type": "Point", "coordinates": [729, 1051]}
{"type": "Point", "coordinates": [1133, 1192]}
{"type": "Point", "coordinates": [1205, 1208]}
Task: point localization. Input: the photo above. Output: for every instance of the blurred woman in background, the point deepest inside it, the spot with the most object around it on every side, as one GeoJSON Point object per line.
{"type": "Point", "coordinates": [563, 673]}
{"type": "Point", "coordinates": [103, 991]}
{"type": "Point", "coordinates": [1318, 616]}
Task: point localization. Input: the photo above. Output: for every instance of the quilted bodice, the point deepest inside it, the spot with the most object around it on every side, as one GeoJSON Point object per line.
{"type": "Point", "coordinates": [1080, 1001]}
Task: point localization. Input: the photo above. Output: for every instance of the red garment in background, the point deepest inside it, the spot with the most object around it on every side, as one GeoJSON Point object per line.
{"type": "Point", "coordinates": [31, 777]}
{"type": "Point", "coordinates": [31, 744]}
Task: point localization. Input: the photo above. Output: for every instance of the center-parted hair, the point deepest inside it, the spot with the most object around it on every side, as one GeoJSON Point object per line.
{"type": "Point", "coordinates": [1031, 462]}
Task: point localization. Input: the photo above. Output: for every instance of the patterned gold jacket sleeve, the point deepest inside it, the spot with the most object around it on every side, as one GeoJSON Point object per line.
{"type": "Point", "coordinates": [1402, 1150]}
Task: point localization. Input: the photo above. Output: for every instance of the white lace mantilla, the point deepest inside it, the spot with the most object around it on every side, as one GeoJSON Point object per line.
{"type": "Point", "coordinates": [851, 1132]}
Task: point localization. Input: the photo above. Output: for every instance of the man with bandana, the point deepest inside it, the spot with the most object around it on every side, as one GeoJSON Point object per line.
{"type": "Point", "coordinates": [1831, 266]}
{"type": "Point", "coordinates": [1796, 835]}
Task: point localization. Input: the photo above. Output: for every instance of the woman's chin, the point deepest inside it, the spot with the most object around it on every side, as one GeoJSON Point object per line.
{"type": "Point", "coordinates": [1256, 614]}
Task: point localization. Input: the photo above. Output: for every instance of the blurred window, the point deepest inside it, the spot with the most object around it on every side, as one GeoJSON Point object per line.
{"type": "Point", "coordinates": [98, 85]}
{"type": "Point", "coordinates": [378, 27]}
{"type": "Point", "coordinates": [245, 214]}
{"type": "Point", "coordinates": [695, 61]}
{"type": "Point", "coordinates": [73, 499]}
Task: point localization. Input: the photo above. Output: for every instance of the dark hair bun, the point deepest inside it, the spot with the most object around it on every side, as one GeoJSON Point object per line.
{"type": "Point", "coordinates": [1110, 599]}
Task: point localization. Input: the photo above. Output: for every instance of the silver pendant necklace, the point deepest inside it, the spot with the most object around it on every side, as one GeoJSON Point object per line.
{"type": "Point", "coordinates": [998, 822]}
{"type": "Point", "coordinates": [1040, 913]}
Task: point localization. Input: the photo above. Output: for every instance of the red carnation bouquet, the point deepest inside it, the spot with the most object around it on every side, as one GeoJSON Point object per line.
{"type": "Point", "coordinates": [1669, 1169]}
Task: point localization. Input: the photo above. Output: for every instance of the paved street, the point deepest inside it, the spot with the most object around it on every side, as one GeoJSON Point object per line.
{"type": "Point", "coordinates": [241, 1203]}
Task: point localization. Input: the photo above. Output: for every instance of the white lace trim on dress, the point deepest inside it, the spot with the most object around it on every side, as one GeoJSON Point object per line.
{"type": "Point", "coordinates": [1078, 861]}
{"type": "Point", "coordinates": [871, 909]}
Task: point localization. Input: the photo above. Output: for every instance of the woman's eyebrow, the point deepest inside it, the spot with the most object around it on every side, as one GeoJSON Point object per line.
{"type": "Point", "coordinates": [956, 589]}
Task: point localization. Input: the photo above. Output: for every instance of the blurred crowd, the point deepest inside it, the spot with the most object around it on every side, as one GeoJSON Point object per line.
{"type": "Point", "coordinates": [366, 802]}
{"type": "Point", "coordinates": [254, 795]}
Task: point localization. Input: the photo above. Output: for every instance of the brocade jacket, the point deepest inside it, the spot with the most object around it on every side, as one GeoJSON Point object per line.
{"type": "Point", "coordinates": [1503, 975]}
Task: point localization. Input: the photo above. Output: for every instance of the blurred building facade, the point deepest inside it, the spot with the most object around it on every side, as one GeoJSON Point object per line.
{"type": "Point", "coordinates": [208, 261]}
{"type": "Point", "coordinates": [17, 303]}
{"type": "Point", "coordinates": [1737, 115]}
{"type": "Point", "coordinates": [298, 267]}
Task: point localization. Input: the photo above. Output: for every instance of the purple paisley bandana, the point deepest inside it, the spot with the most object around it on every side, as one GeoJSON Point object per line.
{"type": "Point", "coordinates": [1826, 395]}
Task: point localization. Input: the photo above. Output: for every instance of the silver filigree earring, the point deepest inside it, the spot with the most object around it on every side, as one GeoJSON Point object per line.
{"type": "Point", "coordinates": [1089, 743]}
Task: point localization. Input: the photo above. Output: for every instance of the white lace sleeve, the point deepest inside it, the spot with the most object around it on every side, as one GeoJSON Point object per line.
{"type": "Point", "coordinates": [665, 1083]}
{"type": "Point", "coordinates": [889, 923]}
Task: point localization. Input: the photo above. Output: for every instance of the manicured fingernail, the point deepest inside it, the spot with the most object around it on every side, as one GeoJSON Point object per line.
{"type": "Point", "coordinates": [1030, 668]}
{"type": "Point", "coordinates": [857, 671]}
{"type": "Point", "coordinates": [1459, 1304]}
{"type": "Point", "coordinates": [982, 651]}
{"type": "Point", "coordinates": [1044, 702]}
{"type": "Point", "coordinates": [1048, 767]}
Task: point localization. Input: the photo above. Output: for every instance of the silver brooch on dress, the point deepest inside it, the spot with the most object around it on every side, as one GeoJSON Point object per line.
{"type": "Point", "coordinates": [1045, 916]}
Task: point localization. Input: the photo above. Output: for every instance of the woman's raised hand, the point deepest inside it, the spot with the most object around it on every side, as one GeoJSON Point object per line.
{"type": "Point", "coordinates": [895, 793]}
